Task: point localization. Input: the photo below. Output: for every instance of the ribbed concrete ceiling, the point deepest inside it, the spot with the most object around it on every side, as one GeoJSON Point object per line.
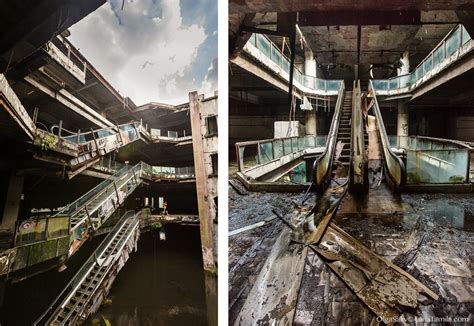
{"type": "Point", "coordinates": [253, 6]}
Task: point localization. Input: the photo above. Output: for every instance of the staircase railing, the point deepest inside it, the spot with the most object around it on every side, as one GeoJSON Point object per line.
{"type": "Point", "coordinates": [322, 165]}
{"type": "Point", "coordinates": [394, 166]}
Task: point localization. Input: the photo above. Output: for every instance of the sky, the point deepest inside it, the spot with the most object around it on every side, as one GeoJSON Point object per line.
{"type": "Point", "coordinates": [153, 50]}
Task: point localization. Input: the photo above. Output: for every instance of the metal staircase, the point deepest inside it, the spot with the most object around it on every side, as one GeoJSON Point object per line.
{"type": "Point", "coordinates": [85, 290]}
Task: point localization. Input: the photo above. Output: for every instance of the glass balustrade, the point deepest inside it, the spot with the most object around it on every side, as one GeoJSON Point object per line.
{"type": "Point", "coordinates": [269, 50]}
{"type": "Point", "coordinates": [258, 152]}
{"type": "Point", "coordinates": [451, 44]}
{"type": "Point", "coordinates": [434, 161]}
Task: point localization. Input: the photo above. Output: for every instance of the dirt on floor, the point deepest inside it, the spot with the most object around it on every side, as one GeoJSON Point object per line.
{"type": "Point", "coordinates": [428, 235]}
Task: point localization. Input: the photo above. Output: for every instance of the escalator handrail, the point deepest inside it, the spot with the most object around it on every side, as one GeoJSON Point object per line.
{"type": "Point", "coordinates": [98, 190]}
{"type": "Point", "coordinates": [91, 261]}
{"type": "Point", "coordinates": [394, 166]}
{"type": "Point", "coordinates": [323, 163]}
{"type": "Point", "coordinates": [358, 160]}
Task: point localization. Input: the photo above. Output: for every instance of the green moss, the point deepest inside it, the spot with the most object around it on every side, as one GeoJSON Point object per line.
{"type": "Point", "coordinates": [212, 272]}
{"type": "Point", "coordinates": [413, 178]}
{"type": "Point", "coordinates": [456, 179]}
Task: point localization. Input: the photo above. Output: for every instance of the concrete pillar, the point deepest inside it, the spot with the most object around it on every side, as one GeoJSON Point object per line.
{"type": "Point", "coordinates": [402, 123]}
{"type": "Point", "coordinates": [12, 202]}
{"type": "Point", "coordinates": [203, 198]}
{"type": "Point", "coordinates": [309, 63]}
{"type": "Point", "coordinates": [405, 64]}
{"type": "Point", "coordinates": [310, 122]}
{"type": "Point", "coordinates": [310, 70]}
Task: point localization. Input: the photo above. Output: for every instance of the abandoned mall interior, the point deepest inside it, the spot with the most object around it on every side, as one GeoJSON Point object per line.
{"type": "Point", "coordinates": [108, 209]}
{"type": "Point", "coordinates": [351, 164]}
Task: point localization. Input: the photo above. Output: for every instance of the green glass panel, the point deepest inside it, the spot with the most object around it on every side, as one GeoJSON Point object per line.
{"type": "Point", "coordinates": [278, 148]}
{"type": "Point", "coordinates": [266, 152]}
{"type": "Point", "coordinates": [452, 43]}
{"type": "Point", "coordinates": [438, 56]}
{"type": "Point", "coordinates": [276, 55]}
{"type": "Point", "coordinates": [332, 85]}
{"type": "Point", "coordinates": [427, 65]}
{"type": "Point", "coordinates": [465, 36]}
{"type": "Point", "coordinates": [263, 45]}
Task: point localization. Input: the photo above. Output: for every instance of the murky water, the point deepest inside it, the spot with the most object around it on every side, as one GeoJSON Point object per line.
{"type": "Point", "coordinates": [25, 301]}
{"type": "Point", "coordinates": [450, 214]}
{"type": "Point", "coordinates": [161, 284]}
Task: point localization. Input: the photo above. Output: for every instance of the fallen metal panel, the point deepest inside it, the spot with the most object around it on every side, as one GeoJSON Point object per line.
{"type": "Point", "coordinates": [379, 283]}
{"type": "Point", "coordinates": [272, 300]}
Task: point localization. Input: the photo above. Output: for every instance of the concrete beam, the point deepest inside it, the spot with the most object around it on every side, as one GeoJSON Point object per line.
{"type": "Point", "coordinates": [257, 70]}
{"type": "Point", "coordinates": [254, 6]}
{"type": "Point", "coordinates": [368, 17]}
{"type": "Point", "coordinates": [71, 102]}
{"type": "Point", "coordinates": [12, 104]}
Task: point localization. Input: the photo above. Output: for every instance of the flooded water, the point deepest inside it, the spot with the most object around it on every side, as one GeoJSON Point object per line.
{"type": "Point", "coordinates": [451, 214]}
{"type": "Point", "coordinates": [25, 301]}
{"type": "Point", "coordinates": [161, 284]}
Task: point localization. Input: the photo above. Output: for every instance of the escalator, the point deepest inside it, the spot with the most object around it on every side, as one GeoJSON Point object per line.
{"type": "Point", "coordinates": [382, 286]}
{"type": "Point", "coordinates": [394, 168]}
{"type": "Point", "coordinates": [63, 234]}
{"type": "Point", "coordinates": [345, 155]}
{"type": "Point", "coordinates": [86, 290]}
{"type": "Point", "coordinates": [344, 131]}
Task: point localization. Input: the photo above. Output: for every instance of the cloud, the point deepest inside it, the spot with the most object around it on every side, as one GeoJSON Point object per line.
{"type": "Point", "coordinates": [147, 51]}
{"type": "Point", "coordinates": [209, 85]}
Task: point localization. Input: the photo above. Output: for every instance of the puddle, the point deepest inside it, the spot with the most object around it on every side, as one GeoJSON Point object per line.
{"type": "Point", "coordinates": [451, 215]}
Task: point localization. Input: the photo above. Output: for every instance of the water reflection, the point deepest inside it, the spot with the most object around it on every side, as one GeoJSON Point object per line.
{"type": "Point", "coordinates": [448, 214]}
{"type": "Point", "coordinates": [161, 284]}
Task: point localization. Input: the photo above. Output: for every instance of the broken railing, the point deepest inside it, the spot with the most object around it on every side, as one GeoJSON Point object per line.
{"type": "Point", "coordinates": [169, 172]}
{"type": "Point", "coordinates": [36, 240]}
{"type": "Point", "coordinates": [253, 153]}
{"type": "Point", "coordinates": [169, 135]}
{"type": "Point", "coordinates": [454, 46]}
{"type": "Point", "coordinates": [265, 51]}
{"type": "Point", "coordinates": [61, 52]}
{"type": "Point", "coordinates": [434, 160]}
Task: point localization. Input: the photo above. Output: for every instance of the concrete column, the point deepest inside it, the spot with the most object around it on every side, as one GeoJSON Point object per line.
{"type": "Point", "coordinates": [310, 122]}
{"type": "Point", "coordinates": [203, 198]}
{"type": "Point", "coordinates": [309, 63]}
{"type": "Point", "coordinates": [12, 202]}
{"type": "Point", "coordinates": [310, 70]}
{"type": "Point", "coordinates": [405, 64]}
{"type": "Point", "coordinates": [402, 123]}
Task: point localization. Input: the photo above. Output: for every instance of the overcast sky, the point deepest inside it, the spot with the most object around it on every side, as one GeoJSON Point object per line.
{"type": "Point", "coordinates": [153, 50]}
